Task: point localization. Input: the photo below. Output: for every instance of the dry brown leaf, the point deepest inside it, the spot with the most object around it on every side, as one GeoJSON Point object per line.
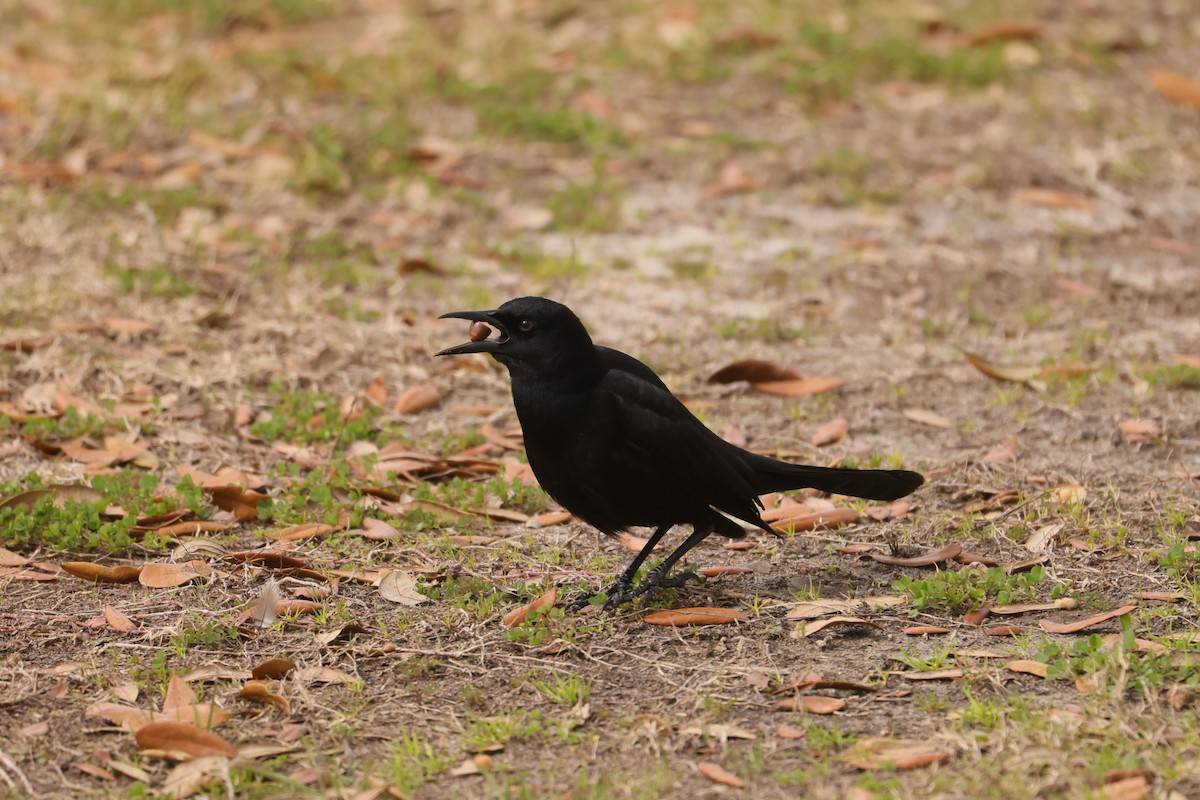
{"type": "Point", "coordinates": [259, 692]}
{"type": "Point", "coordinates": [883, 754]}
{"type": "Point", "coordinates": [732, 179]}
{"type": "Point", "coordinates": [378, 530]}
{"type": "Point", "coordinates": [1137, 431]}
{"type": "Point", "coordinates": [400, 587]}
{"type": "Point", "coordinates": [830, 432]}
{"type": "Point", "coordinates": [1003, 32]}
{"type": "Point", "coordinates": [947, 674]}
{"type": "Point", "coordinates": [975, 558]}
{"type": "Point", "coordinates": [118, 621]}
{"type": "Point", "coordinates": [61, 493]}
{"type": "Point", "coordinates": [417, 398]}
{"type": "Point", "coordinates": [1043, 537]}
{"type": "Point", "coordinates": [1164, 597]}
{"type": "Point", "coordinates": [544, 602]}
{"type": "Point", "coordinates": [800, 388]}
{"type": "Point", "coordinates": [133, 327]}
{"type": "Point", "coordinates": [926, 417]}
{"type": "Point", "coordinates": [1025, 608]}
{"type": "Point", "coordinates": [1002, 372]}
{"type": "Point", "coordinates": [95, 771]}
{"type": "Point", "coordinates": [377, 392]}
{"type": "Point", "coordinates": [1053, 198]}
{"type": "Point", "coordinates": [1028, 667]}
{"type": "Point", "coordinates": [752, 370]}
{"type": "Point", "coordinates": [729, 569]}
{"type": "Point", "coordinates": [817, 520]}
{"type": "Point", "coordinates": [788, 732]}
{"type": "Point", "coordinates": [189, 778]}
{"type": "Point", "coordinates": [819, 608]}
{"type": "Point", "coordinates": [718, 774]}
{"type": "Point", "coordinates": [162, 576]}
{"type": "Point", "coordinates": [185, 738]}
{"type": "Point", "coordinates": [1050, 626]}
{"type": "Point", "coordinates": [695, 616]}
{"type": "Point", "coordinates": [1003, 630]}
{"type": "Point", "coordinates": [1068, 493]}
{"type": "Point", "coordinates": [976, 617]}
{"type": "Point", "coordinates": [1003, 453]}
{"type": "Point", "coordinates": [300, 532]}
{"type": "Point", "coordinates": [127, 716]}
{"type": "Point", "coordinates": [241, 502]}
{"type": "Point", "coordinates": [99, 573]}
{"type": "Point", "coordinates": [633, 544]}
{"type": "Point", "coordinates": [812, 704]}
{"type": "Point", "coordinates": [272, 669]}
{"type": "Point", "coordinates": [1177, 88]}
{"type": "Point", "coordinates": [925, 630]}
{"type": "Point", "coordinates": [819, 625]}
{"type": "Point", "coordinates": [942, 554]}
{"type": "Point", "coordinates": [1134, 787]}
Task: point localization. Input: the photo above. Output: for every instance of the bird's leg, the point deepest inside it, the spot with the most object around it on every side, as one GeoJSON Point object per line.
{"type": "Point", "coordinates": [620, 590]}
{"type": "Point", "coordinates": [657, 577]}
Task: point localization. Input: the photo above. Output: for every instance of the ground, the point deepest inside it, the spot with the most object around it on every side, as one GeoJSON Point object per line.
{"type": "Point", "coordinates": [226, 232]}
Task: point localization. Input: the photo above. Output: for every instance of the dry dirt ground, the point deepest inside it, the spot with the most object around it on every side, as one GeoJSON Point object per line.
{"type": "Point", "coordinates": [226, 230]}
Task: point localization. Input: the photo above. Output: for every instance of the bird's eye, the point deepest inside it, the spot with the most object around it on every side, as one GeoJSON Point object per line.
{"type": "Point", "coordinates": [526, 325]}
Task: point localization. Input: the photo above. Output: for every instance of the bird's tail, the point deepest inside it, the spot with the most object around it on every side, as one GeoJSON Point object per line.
{"type": "Point", "coordinates": [871, 484]}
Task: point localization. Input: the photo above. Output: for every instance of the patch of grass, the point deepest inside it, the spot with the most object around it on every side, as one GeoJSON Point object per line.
{"type": "Point", "coordinates": [694, 269]}
{"type": "Point", "coordinates": [70, 425]}
{"type": "Point", "coordinates": [318, 495]}
{"type": "Point", "coordinates": [569, 690]}
{"type": "Point", "coordinates": [1175, 376]}
{"type": "Point", "coordinates": [1119, 666]}
{"type": "Point", "coordinates": [313, 416]}
{"type": "Point", "coordinates": [588, 207]}
{"type": "Point", "coordinates": [969, 588]}
{"type": "Point", "coordinates": [762, 329]}
{"type": "Point", "coordinates": [223, 15]}
{"type": "Point", "coordinates": [413, 762]}
{"type": "Point", "coordinates": [154, 282]}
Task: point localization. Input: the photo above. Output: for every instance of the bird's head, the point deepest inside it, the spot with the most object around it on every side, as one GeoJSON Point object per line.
{"type": "Point", "coordinates": [535, 336]}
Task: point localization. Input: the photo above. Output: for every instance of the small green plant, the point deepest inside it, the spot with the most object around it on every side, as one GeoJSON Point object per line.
{"type": "Point", "coordinates": [413, 762]}
{"type": "Point", "coordinates": [153, 282]}
{"type": "Point", "coordinates": [308, 417]}
{"type": "Point", "coordinates": [567, 691]}
{"type": "Point", "coordinates": [1175, 376]}
{"type": "Point", "coordinates": [955, 589]}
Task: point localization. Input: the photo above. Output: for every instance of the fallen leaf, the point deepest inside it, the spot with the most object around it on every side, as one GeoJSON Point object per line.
{"type": "Point", "coordinates": [695, 616]}
{"type": "Point", "coordinates": [190, 777]}
{"type": "Point", "coordinates": [976, 616]}
{"type": "Point", "coordinates": [884, 754]}
{"type": "Point", "coordinates": [400, 587]}
{"type": "Point", "coordinates": [1053, 198]}
{"type": "Point", "coordinates": [800, 388]}
{"type": "Point", "coordinates": [162, 576]}
{"type": "Point", "coordinates": [1003, 32]}
{"type": "Point", "coordinates": [1074, 627]}
{"type": "Point", "coordinates": [752, 370]}
{"type": "Point", "coordinates": [1003, 453]}
{"type": "Point", "coordinates": [947, 674]}
{"type": "Point", "coordinates": [118, 621]}
{"type": "Point", "coordinates": [1068, 493]}
{"type": "Point", "coordinates": [127, 325]}
{"type": "Point", "coordinates": [1137, 431]}
{"type": "Point", "coordinates": [272, 669]}
{"type": "Point", "coordinates": [95, 771]}
{"type": "Point", "coordinates": [186, 738]}
{"type": "Point", "coordinates": [127, 716]}
{"type": "Point", "coordinates": [942, 554]}
{"type": "Point", "coordinates": [718, 774]}
{"type": "Point", "coordinates": [1003, 630]}
{"type": "Point", "coordinates": [819, 625]}
{"type": "Point", "coordinates": [544, 602]}
{"type": "Point", "coordinates": [1165, 597]}
{"type": "Point", "coordinates": [60, 492]}
{"type": "Point", "coordinates": [830, 432]}
{"type": "Point", "coordinates": [729, 569]}
{"type": "Point", "coordinates": [1135, 787]}
{"type": "Point", "coordinates": [243, 503]}
{"type": "Point", "coordinates": [417, 398]}
{"type": "Point", "coordinates": [324, 675]}
{"type": "Point", "coordinates": [378, 530]}
{"type": "Point", "coordinates": [301, 532]}
{"type": "Point", "coordinates": [788, 732]}
{"type": "Point", "coordinates": [818, 608]}
{"type": "Point", "coordinates": [926, 417]}
{"type": "Point", "coordinates": [1001, 372]}
{"type": "Point", "coordinates": [259, 692]}
{"type": "Point", "coordinates": [1025, 608]}
{"type": "Point", "coordinates": [812, 704]}
{"type": "Point", "coordinates": [817, 520]}
{"type": "Point", "coordinates": [1176, 88]}
{"type": "Point", "coordinates": [1043, 537]}
{"type": "Point", "coordinates": [98, 573]}
{"type": "Point", "coordinates": [1028, 667]}
{"type": "Point", "coordinates": [732, 179]}
{"type": "Point", "coordinates": [925, 630]}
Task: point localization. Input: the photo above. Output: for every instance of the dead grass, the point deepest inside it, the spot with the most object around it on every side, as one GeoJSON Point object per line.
{"type": "Point", "coordinates": [226, 228]}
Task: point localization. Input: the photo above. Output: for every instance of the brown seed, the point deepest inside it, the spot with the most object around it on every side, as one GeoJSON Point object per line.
{"type": "Point", "coordinates": [479, 331]}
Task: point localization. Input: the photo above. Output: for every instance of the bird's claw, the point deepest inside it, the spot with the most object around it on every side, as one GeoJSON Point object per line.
{"type": "Point", "coordinates": [619, 593]}
{"type": "Point", "coordinates": [657, 579]}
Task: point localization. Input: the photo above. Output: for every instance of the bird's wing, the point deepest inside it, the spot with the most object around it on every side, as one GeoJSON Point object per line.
{"type": "Point", "coordinates": [681, 455]}
{"type": "Point", "coordinates": [623, 362]}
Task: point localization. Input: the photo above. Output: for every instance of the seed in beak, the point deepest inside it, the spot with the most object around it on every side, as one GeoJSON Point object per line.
{"type": "Point", "coordinates": [479, 331]}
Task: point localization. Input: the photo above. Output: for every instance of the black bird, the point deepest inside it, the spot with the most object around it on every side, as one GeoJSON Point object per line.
{"type": "Point", "coordinates": [607, 439]}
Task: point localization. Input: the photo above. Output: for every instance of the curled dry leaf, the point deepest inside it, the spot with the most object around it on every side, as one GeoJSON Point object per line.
{"type": "Point", "coordinates": [800, 388]}
{"type": "Point", "coordinates": [695, 616]}
{"type": "Point", "coordinates": [812, 704]}
{"type": "Point", "coordinates": [819, 625]}
{"type": "Point", "coordinates": [1068, 493]}
{"type": "Point", "coordinates": [1049, 626]}
{"type": "Point", "coordinates": [60, 492]}
{"type": "Point", "coordinates": [818, 520]}
{"type": "Point", "coordinates": [1053, 198]}
{"type": "Point", "coordinates": [713, 572]}
{"type": "Point", "coordinates": [126, 716]}
{"type": "Point", "coordinates": [752, 370]}
{"type": "Point", "coordinates": [272, 669]}
{"type": "Point", "coordinates": [948, 674]}
{"type": "Point", "coordinates": [1002, 372]}
{"type": "Point", "coordinates": [925, 630]}
{"type": "Point", "coordinates": [926, 417]}
{"type": "Point", "coordinates": [788, 732]}
{"type": "Point", "coordinates": [881, 754]}
{"type": "Point", "coordinates": [975, 558]}
{"type": "Point", "coordinates": [1003, 630]}
{"type": "Point", "coordinates": [1025, 608]}
{"type": "Point", "coordinates": [1043, 537]}
{"type": "Point", "coordinates": [732, 179]}
{"type": "Point", "coordinates": [1027, 667]}
{"type": "Point", "coordinates": [1003, 32]}
{"type": "Point", "coordinates": [400, 587]}
{"type": "Point", "coordinates": [163, 576]}
{"type": "Point", "coordinates": [831, 432]}
{"type": "Point", "coordinates": [241, 502]}
{"type": "Point", "coordinates": [718, 774]}
{"type": "Point", "coordinates": [259, 692]}
{"type": "Point", "coordinates": [977, 616]}
{"type": "Point", "coordinates": [185, 738]}
{"type": "Point", "coordinates": [417, 398]}
{"type": "Point", "coordinates": [99, 573]}
{"type": "Point", "coordinates": [1176, 88]}
{"type": "Point", "coordinates": [939, 556]}
{"type": "Point", "coordinates": [378, 530]}
{"type": "Point", "coordinates": [1137, 431]}
{"type": "Point", "coordinates": [305, 530]}
{"type": "Point", "coordinates": [1003, 453]}
{"type": "Point", "coordinates": [545, 602]}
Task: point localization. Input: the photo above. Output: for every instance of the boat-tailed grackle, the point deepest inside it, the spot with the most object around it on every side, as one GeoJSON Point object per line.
{"type": "Point", "coordinates": [607, 439]}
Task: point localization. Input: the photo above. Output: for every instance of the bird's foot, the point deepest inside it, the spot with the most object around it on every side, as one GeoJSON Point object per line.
{"type": "Point", "coordinates": [657, 578]}
{"type": "Point", "coordinates": [619, 593]}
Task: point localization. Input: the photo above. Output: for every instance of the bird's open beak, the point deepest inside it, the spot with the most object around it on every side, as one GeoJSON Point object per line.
{"type": "Point", "coordinates": [483, 345]}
